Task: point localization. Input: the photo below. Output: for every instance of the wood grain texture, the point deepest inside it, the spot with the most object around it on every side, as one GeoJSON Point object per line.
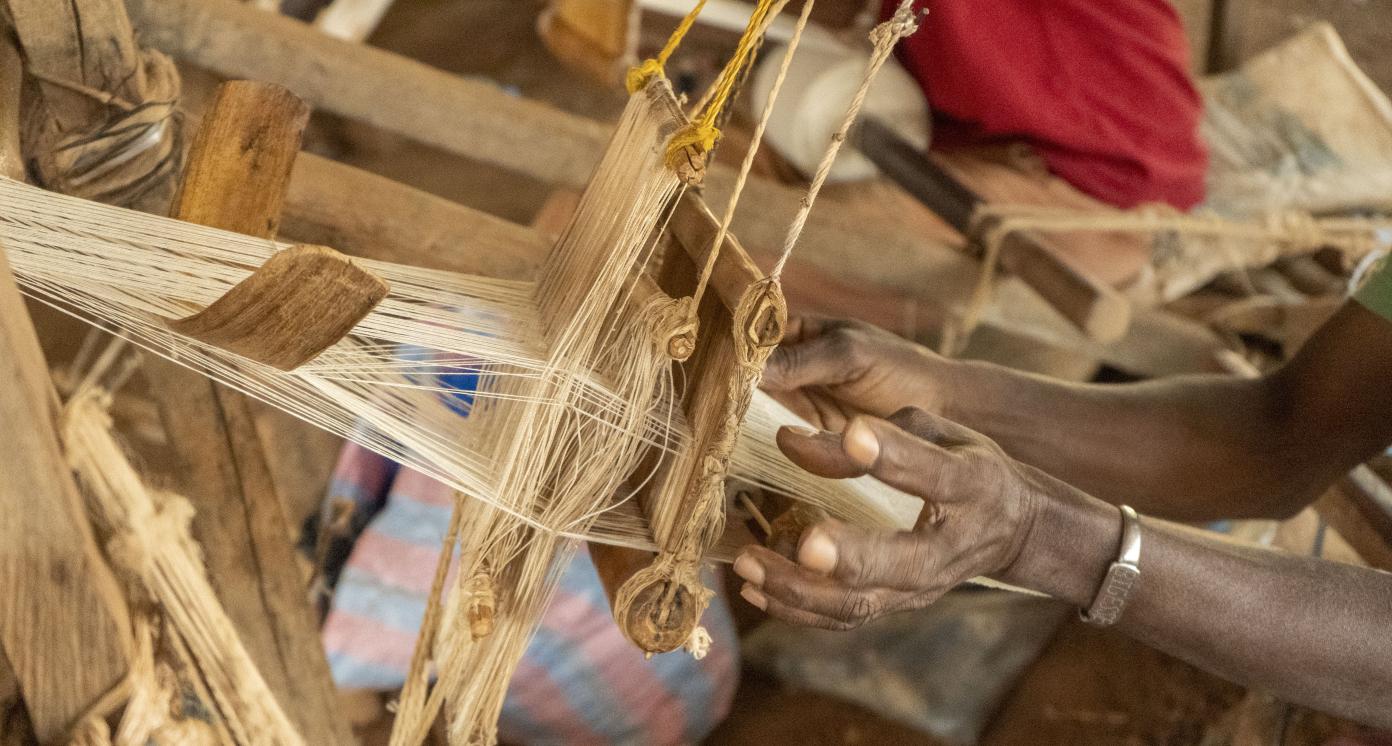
{"type": "Point", "coordinates": [296, 305]}
{"type": "Point", "coordinates": [367, 84]}
{"type": "Point", "coordinates": [64, 627]}
{"type": "Point", "coordinates": [238, 172]}
{"type": "Point", "coordinates": [251, 132]}
{"type": "Point", "coordinates": [63, 619]}
{"type": "Point", "coordinates": [325, 205]}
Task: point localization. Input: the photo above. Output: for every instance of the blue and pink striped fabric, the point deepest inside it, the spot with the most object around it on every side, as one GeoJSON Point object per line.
{"type": "Point", "coordinates": [580, 682]}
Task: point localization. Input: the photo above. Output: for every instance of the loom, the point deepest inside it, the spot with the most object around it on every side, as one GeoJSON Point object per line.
{"type": "Point", "coordinates": [608, 400]}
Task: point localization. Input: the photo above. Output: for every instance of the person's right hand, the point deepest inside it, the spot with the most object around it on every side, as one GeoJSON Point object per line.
{"type": "Point", "coordinates": [830, 370]}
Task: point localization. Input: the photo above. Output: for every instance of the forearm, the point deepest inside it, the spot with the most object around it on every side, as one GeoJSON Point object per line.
{"type": "Point", "coordinates": [1305, 629]}
{"type": "Point", "coordinates": [1186, 448]}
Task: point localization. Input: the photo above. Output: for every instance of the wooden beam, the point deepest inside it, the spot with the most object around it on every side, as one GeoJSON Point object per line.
{"type": "Point", "coordinates": [239, 166]}
{"type": "Point", "coordinates": [375, 87]}
{"type": "Point", "coordinates": [64, 626]}
{"type": "Point", "coordinates": [401, 224]}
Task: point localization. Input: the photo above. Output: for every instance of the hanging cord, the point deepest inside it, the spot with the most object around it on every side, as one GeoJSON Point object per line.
{"type": "Point", "coordinates": [656, 67]}
{"type": "Point", "coordinates": [702, 133]}
{"type": "Point", "coordinates": [709, 268]}
{"type": "Point", "coordinates": [884, 36]}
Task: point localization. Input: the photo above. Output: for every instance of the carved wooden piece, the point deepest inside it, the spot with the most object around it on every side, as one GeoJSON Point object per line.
{"type": "Point", "coordinates": [295, 306]}
{"type": "Point", "coordinates": [742, 319]}
{"type": "Point", "coordinates": [64, 627]}
{"type": "Point", "coordinates": [238, 172]}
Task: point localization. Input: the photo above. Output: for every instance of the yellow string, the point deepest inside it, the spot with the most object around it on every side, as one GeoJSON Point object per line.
{"type": "Point", "coordinates": [655, 67]}
{"type": "Point", "coordinates": [702, 134]}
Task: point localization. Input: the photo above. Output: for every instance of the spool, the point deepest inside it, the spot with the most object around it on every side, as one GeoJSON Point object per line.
{"type": "Point", "coordinates": [820, 85]}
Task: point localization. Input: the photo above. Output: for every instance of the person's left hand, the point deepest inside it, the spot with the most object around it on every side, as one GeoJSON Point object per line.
{"type": "Point", "coordinates": [979, 507]}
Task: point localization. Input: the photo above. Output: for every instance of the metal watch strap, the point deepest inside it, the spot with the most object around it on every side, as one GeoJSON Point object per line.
{"type": "Point", "coordinates": [1122, 576]}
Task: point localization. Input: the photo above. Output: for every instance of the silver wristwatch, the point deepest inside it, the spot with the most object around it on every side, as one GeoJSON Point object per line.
{"type": "Point", "coordinates": [1122, 576]}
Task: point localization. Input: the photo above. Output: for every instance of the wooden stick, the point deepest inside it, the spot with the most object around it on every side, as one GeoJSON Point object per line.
{"type": "Point", "coordinates": [1099, 311]}
{"type": "Point", "coordinates": [64, 626]}
{"type": "Point", "coordinates": [238, 170]}
{"type": "Point", "coordinates": [367, 84]}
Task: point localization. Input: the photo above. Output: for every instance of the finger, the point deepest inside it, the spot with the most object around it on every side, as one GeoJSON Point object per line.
{"type": "Point", "coordinates": [827, 359]}
{"type": "Point", "coordinates": [818, 451]}
{"type": "Point", "coordinates": [793, 615]}
{"type": "Point", "coordinates": [872, 558]}
{"type": "Point", "coordinates": [798, 587]}
{"type": "Point", "coordinates": [934, 428]}
{"type": "Point", "coordinates": [804, 326]}
{"type": "Point", "coordinates": [903, 460]}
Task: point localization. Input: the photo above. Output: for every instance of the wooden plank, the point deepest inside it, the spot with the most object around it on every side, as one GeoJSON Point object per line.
{"type": "Point", "coordinates": [367, 84]}
{"type": "Point", "coordinates": [401, 224]}
{"type": "Point", "coordinates": [63, 621]}
{"type": "Point", "coordinates": [239, 167]}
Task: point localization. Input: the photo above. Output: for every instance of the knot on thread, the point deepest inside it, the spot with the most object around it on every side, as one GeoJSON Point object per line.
{"type": "Point", "coordinates": [640, 75]}
{"type": "Point", "coordinates": [903, 23]}
{"type": "Point", "coordinates": [698, 645]}
{"type": "Point", "coordinates": [673, 325]}
{"type": "Point", "coordinates": [688, 148]}
{"type": "Point", "coordinates": [129, 155]}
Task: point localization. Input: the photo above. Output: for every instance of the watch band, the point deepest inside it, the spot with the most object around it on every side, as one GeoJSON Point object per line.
{"type": "Point", "coordinates": [1122, 577]}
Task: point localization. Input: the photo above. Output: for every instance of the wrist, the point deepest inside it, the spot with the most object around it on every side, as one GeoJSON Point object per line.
{"type": "Point", "coordinates": [1068, 547]}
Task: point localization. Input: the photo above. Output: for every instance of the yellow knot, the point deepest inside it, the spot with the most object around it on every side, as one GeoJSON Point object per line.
{"type": "Point", "coordinates": [698, 137]}
{"type": "Point", "coordinates": [639, 76]}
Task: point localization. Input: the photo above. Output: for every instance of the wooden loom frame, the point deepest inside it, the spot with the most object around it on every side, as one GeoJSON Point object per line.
{"type": "Point", "coordinates": [239, 462]}
{"type": "Point", "coordinates": [238, 175]}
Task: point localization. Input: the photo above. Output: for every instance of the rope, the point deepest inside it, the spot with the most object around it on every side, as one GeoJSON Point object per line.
{"type": "Point", "coordinates": [885, 36]}
{"type": "Point", "coordinates": [701, 134]}
{"type": "Point", "coordinates": [1276, 233]}
{"type": "Point", "coordinates": [748, 164]}
{"type": "Point", "coordinates": [652, 68]}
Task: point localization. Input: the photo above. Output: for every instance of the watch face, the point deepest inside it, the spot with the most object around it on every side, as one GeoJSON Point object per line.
{"type": "Point", "coordinates": [1111, 597]}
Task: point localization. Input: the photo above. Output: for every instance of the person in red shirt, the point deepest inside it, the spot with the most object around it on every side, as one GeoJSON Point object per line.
{"type": "Point", "coordinates": [1100, 88]}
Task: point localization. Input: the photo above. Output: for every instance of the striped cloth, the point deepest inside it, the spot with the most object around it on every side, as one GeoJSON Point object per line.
{"type": "Point", "coordinates": [580, 681]}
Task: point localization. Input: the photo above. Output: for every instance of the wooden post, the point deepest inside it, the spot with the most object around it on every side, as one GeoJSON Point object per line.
{"type": "Point", "coordinates": [64, 627]}
{"type": "Point", "coordinates": [238, 170]}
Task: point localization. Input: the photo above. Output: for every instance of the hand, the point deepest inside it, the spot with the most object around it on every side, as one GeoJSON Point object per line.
{"type": "Point", "coordinates": [829, 370]}
{"type": "Point", "coordinates": [979, 507]}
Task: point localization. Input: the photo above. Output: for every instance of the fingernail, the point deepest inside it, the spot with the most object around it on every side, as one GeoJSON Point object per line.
{"type": "Point", "coordinates": [749, 568]}
{"type": "Point", "coordinates": [860, 444]}
{"type": "Point", "coordinates": [754, 596]}
{"type": "Point", "coordinates": [818, 552]}
{"type": "Point", "coordinates": [805, 432]}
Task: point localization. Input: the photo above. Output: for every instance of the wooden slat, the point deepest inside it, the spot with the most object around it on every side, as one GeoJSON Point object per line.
{"type": "Point", "coordinates": [63, 621]}
{"type": "Point", "coordinates": [373, 86]}
{"type": "Point", "coordinates": [239, 168]}
{"type": "Point", "coordinates": [401, 224]}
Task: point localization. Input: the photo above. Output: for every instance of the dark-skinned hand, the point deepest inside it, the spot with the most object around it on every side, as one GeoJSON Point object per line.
{"type": "Point", "coordinates": [830, 370]}
{"type": "Point", "coordinates": [979, 508]}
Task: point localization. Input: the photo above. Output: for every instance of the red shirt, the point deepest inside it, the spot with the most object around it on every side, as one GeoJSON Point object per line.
{"type": "Point", "coordinates": [1101, 88]}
